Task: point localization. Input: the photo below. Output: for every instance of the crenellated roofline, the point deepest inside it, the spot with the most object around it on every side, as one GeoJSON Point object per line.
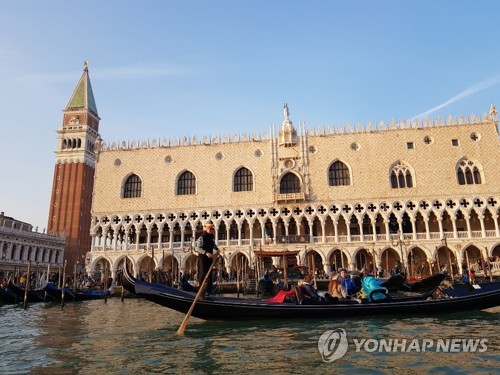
{"type": "Point", "coordinates": [325, 131]}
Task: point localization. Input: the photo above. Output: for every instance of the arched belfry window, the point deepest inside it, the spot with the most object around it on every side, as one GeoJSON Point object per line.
{"type": "Point", "coordinates": [186, 185]}
{"type": "Point", "coordinates": [243, 180]}
{"type": "Point", "coordinates": [132, 187]}
{"type": "Point", "coordinates": [468, 173]}
{"type": "Point", "coordinates": [401, 176]}
{"type": "Point", "coordinates": [289, 184]}
{"type": "Point", "coordinates": [338, 174]}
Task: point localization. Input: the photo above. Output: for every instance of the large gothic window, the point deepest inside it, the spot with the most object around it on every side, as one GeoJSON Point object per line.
{"type": "Point", "coordinates": [289, 184]}
{"type": "Point", "coordinates": [133, 187]}
{"type": "Point", "coordinates": [401, 176]}
{"type": "Point", "coordinates": [243, 180]}
{"type": "Point", "coordinates": [468, 173]}
{"type": "Point", "coordinates": [186, 185]}
{"type": "Point", "coordinates": [338, 174]}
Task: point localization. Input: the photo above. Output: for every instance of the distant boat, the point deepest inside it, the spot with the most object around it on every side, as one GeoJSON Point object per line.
{"type": "Point", "coordinates": [394, 282]}
{"type": "Point", "coordinates": [223, 308]}
{"type": "Point", "coordinates": [37, 295]}
{"type": "Point", "coordinates": [423, 285]}
{"type": "Point", "coordinates": [7, 297]}
{"type": "Point", "coordinates": [72, 295]}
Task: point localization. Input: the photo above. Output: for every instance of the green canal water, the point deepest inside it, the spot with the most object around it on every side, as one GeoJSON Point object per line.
{"type": "Point", "coordinates": [138, 337]}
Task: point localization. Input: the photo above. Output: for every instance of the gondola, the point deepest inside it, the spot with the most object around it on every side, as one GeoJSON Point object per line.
{"type": "Point", "coordinates": [7, 297]}
{"type": "Point", "coordinates": [38, 295]}
{"type": "Point", "coordinates": [394, 283]}
{"type": "Point", "coordinates": [466, 289]}
{"type": "Point", "coordinates": [224, 308]}
{"type": "Point", "coordinates": [71, 295]}
{"type": "Point", "coordinates": [424, 285]}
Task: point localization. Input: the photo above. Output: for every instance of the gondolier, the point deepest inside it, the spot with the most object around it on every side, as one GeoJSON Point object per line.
{"type": "Point", "coordinates": [207, 252]}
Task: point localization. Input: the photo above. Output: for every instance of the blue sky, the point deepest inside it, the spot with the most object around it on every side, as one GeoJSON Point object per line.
{"type": "Point", "coordinates": [184, 68]}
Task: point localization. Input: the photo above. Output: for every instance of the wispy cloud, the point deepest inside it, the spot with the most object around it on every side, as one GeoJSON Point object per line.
{"type": "Point", "coordinates": [468, 92]}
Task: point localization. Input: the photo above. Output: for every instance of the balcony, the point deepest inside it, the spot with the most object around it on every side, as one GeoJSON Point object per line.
{"type": "Point", "coordinates": [292, 197]}
{"type": "Point", "coordinates": [305, 239]}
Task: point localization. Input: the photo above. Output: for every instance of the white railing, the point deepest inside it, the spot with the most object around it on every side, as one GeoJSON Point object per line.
{"type": "Point", "coordinates": [491, 233]}
{"type": "Point", "coordinates": [476, 234]}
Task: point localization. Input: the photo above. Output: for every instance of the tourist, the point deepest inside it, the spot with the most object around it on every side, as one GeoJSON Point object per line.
{"type": "Point", "coordinates": [346, 281]}
{"type": "Point", "coordinates": [207, 250]}
{"type": "Point", "coordinates": [380, 271]}
{"type": "Point", "coordinates": [472, 277]}
{"type": "Point", "coordinates": [374, 292]}
{"type": "Point", "coordinates": [397, 267]}
{"type": "Point", "coordinates": [335, 288]}
{"type": "Point", "coordinates": [308, 290]}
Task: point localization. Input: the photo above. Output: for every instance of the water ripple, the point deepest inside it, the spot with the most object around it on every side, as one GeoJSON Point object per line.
{"type": "Point", "coordinates": [139, 337]}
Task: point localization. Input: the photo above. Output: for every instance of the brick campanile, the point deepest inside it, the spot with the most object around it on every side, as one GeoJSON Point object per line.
{"type": "Point", "coordinates": [73, 183]}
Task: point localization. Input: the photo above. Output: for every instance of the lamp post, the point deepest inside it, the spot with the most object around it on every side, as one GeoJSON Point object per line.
{"type": "Point", "coordinates": [400, 242]}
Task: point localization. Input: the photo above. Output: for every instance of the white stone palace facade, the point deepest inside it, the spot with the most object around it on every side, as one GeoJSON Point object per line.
{"type": "Point", "coordinates": [20, 244]}
{"type": "Point", "coordinates": [426, 193]}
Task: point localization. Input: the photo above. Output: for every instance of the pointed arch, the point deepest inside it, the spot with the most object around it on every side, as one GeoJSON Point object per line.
{"type": "Point", "coordinates": [468, 172]}
{"type": "Point", "coordinates": [132, 187]}
{"type": "Point", "coordinates": [401, 175]}
{"type": "Point", "coordinates": [290, 184]}
{"type": "Point", "coordinates": [339, 174]}
{"type": "Point", "coordinates": [243, 180]}
{"type": "Point", "coordinates": [186, 183]}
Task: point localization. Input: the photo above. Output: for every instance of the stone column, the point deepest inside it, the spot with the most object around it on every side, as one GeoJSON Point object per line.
{"type": "Point", "coordinates": [427, 231]}
{"type": "Point", "coordinates": [387, 232]}
{"type": "Point", "coordinates": [171, 238]}
{"type": "Point", "coordinates": [148, 238]}
{"type": "Point", "coordinates": [497, 230]}
{"type": "Point", "coordinates": [240, 228]}
{"type": "Point", "coordinates": [483, 229]}
{"type": "Point", "coordinates": [323, 231]}
{"type": "Point", "coordinates": [160, 235]}
{"type": "Point", "coordinates": [469, 230]}
{"type": "Point", "coordinates": [336, 229]}
{"type": "Point", "coordinates": [454, 224]}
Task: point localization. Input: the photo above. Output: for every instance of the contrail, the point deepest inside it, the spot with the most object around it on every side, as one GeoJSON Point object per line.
{"type": "Point", "coordinates": [468, 92]}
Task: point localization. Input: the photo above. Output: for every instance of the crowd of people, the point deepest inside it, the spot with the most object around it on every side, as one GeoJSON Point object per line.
{"type": "Point", "coordinates": [343, 287]}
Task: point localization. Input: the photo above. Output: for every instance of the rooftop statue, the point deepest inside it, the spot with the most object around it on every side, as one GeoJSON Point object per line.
{"type": "Point", "coordinates": [286, 112]}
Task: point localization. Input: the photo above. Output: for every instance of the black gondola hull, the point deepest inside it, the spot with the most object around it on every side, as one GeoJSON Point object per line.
{"type": "Point", "coordinates": [222, 308]}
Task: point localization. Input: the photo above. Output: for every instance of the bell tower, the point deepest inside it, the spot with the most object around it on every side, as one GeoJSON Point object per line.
{"type": "Point", "coordinates": [72, 186]}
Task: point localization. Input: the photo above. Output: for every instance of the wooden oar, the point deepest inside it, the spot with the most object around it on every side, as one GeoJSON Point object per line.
{"type": "Point", "coordinates": [182, 328]}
